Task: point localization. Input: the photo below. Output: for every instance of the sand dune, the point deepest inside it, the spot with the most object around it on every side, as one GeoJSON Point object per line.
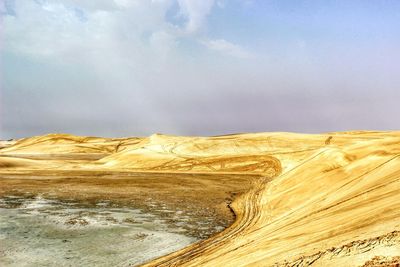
{"type": "Point", "coordinates": [323, 200]}
{"type": "Point", "coordinates": [65, 144]}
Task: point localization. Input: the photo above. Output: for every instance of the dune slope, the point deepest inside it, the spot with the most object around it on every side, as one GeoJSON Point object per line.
{"type": "Point", "coordinates": [323, 200]}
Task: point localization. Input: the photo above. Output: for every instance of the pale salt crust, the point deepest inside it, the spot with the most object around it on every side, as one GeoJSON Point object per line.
{"type": "Point", "coordinates": [43, 232]}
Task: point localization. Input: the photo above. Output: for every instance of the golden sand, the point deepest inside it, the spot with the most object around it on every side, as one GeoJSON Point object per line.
{"type": "Point", "coordinates": [327, 200]}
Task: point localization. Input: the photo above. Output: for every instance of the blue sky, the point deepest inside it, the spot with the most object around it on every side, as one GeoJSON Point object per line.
{"type": "Point", "coordinates": [191, 67]}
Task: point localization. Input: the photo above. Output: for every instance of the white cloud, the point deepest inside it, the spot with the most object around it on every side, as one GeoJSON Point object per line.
{"type": "Point", "coordinates": [162, 43]}
{"type": "Point", "coordinates": [227, 48]}
{"type": "Point", "coordinates": [120, 67]}
{"type": "Point", "coordinates": [115, 64]}
{"type": "Point", "coordinates": [57, 30]}
{"type": "Point", "coordinates": [2, 7]}
{"type": "Point", "coordinates": [71, 30]}
{"type": "Point", "coordinates": [91, 5]}
{"type": "Point", "coordinates": [196, 12]}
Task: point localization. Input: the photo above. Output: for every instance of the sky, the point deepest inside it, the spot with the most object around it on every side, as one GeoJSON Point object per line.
{"type": "Point", "coordinates": [198, 67]}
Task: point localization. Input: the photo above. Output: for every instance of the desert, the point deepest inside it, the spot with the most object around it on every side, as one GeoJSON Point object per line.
{"type": "Point", "coordinates": [270, 199]}
{"type": "Point", "coordinates": [201, 133]}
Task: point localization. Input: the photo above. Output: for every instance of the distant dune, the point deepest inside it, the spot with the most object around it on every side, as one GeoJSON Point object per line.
{"type": "Point", "coordinates": [324, 200]}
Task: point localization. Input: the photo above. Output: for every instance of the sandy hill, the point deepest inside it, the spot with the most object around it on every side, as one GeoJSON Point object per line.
{"type": "Point", "coordinates": [68, 144]}
{"type": "Point", "coordinates": [331, 199]}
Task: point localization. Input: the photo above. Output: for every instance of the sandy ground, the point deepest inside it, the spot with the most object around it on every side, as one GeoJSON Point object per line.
{"type": "Point", "coordinates": [200, 195]}
{"type": "Point", "coordinates": [48, 232]}
{"type": "Point", "coordinates": [327, 199]}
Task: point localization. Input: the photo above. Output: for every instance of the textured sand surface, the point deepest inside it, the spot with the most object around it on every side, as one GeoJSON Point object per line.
{"type": "Point", "coordinates": [323, 200]}
{"type": "Point", "coordinates": [48, 232]}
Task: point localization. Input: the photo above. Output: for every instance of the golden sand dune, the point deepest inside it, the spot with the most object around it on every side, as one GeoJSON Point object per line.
{"type": "Point", "coordinates": [323, 200]}
{"type": "Point", "coordinates": [64, 145]}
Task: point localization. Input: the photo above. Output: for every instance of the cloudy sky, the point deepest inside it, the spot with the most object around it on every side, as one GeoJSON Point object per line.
{"type": "Point", "coordinates": [198, 67]}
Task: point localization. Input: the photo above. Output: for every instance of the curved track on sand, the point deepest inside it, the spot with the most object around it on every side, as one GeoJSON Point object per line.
{"type": "Point", "coordinates": [337, 207]}
{"type": "Point", "coordinates": [246, 216]}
